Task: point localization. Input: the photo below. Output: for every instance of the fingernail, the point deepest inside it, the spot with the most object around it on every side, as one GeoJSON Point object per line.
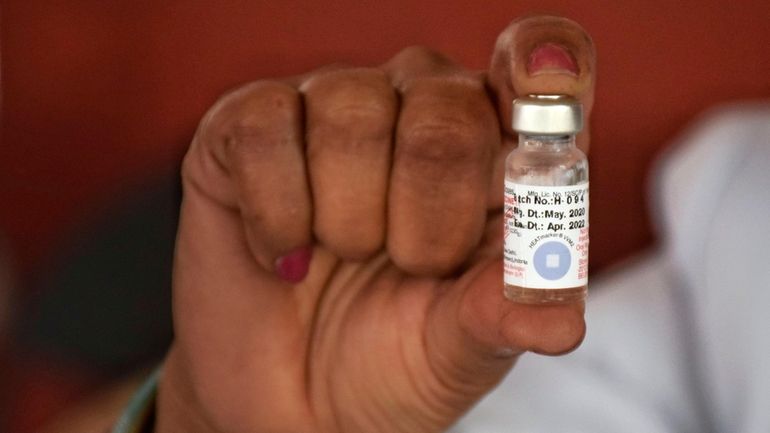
{"type": "Point", "coordinates": [550, 58]}
{"type": "Point", "coordinates": [293, 267]}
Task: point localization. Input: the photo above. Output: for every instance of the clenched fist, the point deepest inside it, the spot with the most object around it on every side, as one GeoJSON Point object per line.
{"type": "Point", "coordinates": [339, 256]}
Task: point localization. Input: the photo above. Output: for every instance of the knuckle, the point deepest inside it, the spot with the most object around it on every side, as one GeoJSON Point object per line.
{"type": "Point", "coordinates": [447, 119]}
{"type": "Point", "coordinates": [251, 110]}
{"type": "Point", "coordinates": [257, 120]}
{"type": "Point", "coordinates": [263, 106]}
{"type": "Point", "coordinates": [371, 110]}
{"type": "Point", "coordinates": [243, 133]}
{"type": "Point", "coordinates": [419, 53]}
{"type": "Point", "coordinates": [333, 80]}
{"type": "Point", "coordinates": [351, 97]}
{"type": "Point", "coordinates": [441, 139]}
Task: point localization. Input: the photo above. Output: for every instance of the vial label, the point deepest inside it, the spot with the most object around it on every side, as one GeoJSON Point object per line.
{"type": "Point", "coordinates": [546, 236]}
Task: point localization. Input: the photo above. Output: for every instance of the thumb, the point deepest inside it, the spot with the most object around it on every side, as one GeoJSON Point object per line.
{"type": "Point", "coordinates": [503, 327]}
{"type": "Point", "coordinates": [473, 334]}
{"type": "Point", "coordinates": [543, 55]}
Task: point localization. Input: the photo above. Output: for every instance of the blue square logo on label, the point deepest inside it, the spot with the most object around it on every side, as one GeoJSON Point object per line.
{"type": "Point", "coordinates": [552, 260]}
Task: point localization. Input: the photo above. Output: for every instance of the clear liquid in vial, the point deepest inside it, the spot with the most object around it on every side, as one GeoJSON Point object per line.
{"type": "Point", "coordinates": [546, 161]}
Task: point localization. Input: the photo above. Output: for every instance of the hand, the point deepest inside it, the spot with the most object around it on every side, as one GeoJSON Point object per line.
{"type": "Point", "coordinates": [338, 262]}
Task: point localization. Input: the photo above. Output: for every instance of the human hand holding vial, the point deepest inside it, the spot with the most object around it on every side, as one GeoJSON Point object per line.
{"type": "Point", "coordinates": [546, 203]}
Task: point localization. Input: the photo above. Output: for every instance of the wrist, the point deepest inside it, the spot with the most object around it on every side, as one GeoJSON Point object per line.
{"type": "Point", "coordinates": [176, 409]}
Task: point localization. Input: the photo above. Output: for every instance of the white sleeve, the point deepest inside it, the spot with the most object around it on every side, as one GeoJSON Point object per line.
{"type": "Point", "coordinates": [630, 375]}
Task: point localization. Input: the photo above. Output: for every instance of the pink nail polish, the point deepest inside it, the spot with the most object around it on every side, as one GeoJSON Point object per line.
{"type": "Point", "coordinates": [293, 267]}
{"type": "Point", "coordinates": [550, 58]}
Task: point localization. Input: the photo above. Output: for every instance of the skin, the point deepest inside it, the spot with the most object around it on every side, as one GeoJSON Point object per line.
{"type": "Point", "coordinates": [393, 176]}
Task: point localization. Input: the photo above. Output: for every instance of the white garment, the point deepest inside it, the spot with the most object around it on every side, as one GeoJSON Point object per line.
{"type": "Point", "coordinates": [679, 339]}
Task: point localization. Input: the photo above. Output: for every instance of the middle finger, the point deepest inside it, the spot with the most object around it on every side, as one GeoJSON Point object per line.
{"type": "Point", "coordinates": [445, 137]}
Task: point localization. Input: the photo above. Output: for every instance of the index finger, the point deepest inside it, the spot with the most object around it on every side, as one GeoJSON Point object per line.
{"type": "Point", "coordinates": [538, 55]}
{"type": "Point", "coordinates": [543, 55]}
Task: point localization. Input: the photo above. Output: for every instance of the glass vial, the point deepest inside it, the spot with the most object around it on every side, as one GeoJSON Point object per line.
{"type": "Point", "coordinates": [546, 203]}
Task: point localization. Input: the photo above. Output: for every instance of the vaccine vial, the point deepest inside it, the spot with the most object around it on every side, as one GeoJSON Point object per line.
{"type": "Point", "coordinates": [546, 203]}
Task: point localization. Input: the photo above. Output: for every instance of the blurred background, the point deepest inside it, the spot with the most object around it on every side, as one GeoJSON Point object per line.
{"type": "Point", "coordinates": [100, 100]}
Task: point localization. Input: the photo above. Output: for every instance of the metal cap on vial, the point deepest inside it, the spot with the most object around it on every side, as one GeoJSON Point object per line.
{"type": "Point", "coordinates": [547, 115]}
